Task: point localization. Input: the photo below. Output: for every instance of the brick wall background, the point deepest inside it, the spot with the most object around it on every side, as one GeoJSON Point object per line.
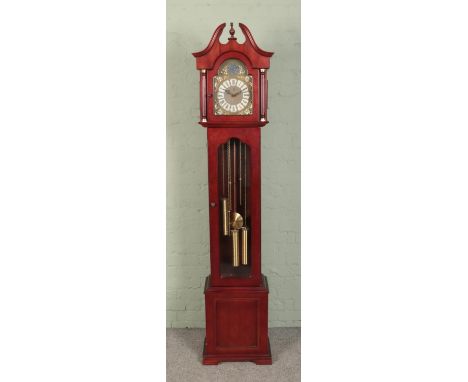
{"type": "Point", "coordinates": [275, 25]}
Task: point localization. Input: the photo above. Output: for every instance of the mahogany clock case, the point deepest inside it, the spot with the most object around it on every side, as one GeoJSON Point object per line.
{"type": "Point", "coordinates": [236, 292]}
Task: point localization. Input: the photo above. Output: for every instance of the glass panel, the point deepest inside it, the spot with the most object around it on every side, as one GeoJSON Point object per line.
{"type": "Point", "coordinates": [234, 191]}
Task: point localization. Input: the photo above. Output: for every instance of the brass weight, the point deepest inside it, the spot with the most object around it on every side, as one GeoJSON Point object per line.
{"type": "Point", "coordinates": [235, 247]}
{"type": "Point", "coordinates": [244, 237]}
{"type": "Point", "coordinates": [226, 213]}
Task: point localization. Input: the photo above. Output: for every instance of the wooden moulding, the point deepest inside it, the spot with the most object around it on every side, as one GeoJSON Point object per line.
{"type": "Point", "coordinates": [206, 58]}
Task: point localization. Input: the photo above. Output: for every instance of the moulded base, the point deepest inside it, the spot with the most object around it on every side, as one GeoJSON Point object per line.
{"type": "Point", "coordinates": [215, 359]}
{"type": "Point", "coordinates": [236, 324]}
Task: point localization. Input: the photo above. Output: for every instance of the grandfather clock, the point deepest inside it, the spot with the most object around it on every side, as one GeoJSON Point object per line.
{"type": "Point", "coordinates": [233, 108]}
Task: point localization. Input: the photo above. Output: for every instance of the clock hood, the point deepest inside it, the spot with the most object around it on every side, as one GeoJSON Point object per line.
{"type": "Point", "coordinates": [206, 58]}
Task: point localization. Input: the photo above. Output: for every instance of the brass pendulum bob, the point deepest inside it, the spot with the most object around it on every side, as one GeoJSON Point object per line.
{"type": "Point", "coordinates": [244, 237]}
{"type": "Point", "coordinates": [235, 247]}
{"type": "Point", "coordinates": [236, 220]}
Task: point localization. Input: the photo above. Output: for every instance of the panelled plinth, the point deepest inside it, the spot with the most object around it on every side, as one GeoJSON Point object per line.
{"type": "Point", "coordinates": [236, 324]}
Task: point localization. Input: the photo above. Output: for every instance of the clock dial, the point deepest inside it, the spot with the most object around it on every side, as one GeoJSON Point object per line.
{"type": "Point", "coordinates": [233, 89]}
{"type": "Point", "coordinates": [233, 95]}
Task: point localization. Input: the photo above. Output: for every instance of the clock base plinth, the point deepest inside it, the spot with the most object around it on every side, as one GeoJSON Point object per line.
{"type": "Point", "coordinates": [236, 324]}
{"type": "Point", "coordinates": [215, 359]}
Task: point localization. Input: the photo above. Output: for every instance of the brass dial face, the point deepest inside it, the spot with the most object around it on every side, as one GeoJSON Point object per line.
{"type": "Point", "coordinates": [232, 89]}
{"type": "Point", "coordinates": [233, 95]}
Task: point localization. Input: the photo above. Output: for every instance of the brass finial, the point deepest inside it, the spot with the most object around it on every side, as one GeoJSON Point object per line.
{"type": "Point", "coordinates": [231, 32]}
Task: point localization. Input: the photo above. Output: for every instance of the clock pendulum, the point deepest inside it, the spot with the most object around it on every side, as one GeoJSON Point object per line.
{"type": "Point", "coordinates": [234, 224]}
{"type": "Point", "coordinates": [233, 109]}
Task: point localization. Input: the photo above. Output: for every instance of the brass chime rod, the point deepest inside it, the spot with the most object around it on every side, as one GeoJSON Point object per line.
{"type": "Point", "coordinates": [245, 260]}
{"type": "Point", "coordinates": [234, 167]}
{"type": "Point", "coordinates": [222, 168]}
{"type": "Point", "coordinates": [224, 200]}
{"type": "Point", "coordinates": [245, 184]}
{"type": "Point", "coordinates": [240, 173]}
{"type": "Point", "coordinates": [229, 173]}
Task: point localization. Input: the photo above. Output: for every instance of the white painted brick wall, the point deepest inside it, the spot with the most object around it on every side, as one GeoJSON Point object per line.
{"type": "Point", "coordinates": [276, 27]}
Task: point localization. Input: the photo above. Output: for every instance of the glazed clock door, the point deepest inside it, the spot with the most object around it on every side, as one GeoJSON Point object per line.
{"type": "Point", "coordinates": [234, 198]}
{"type": "Point", "coordinates": [234, 190]}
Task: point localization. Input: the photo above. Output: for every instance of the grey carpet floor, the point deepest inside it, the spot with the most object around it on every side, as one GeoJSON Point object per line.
{"type": "Point", "coordinates": [184, 348]}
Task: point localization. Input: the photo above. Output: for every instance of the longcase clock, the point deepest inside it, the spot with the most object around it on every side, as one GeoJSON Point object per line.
{"type": "Point", "coordinates": [233, 108]}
